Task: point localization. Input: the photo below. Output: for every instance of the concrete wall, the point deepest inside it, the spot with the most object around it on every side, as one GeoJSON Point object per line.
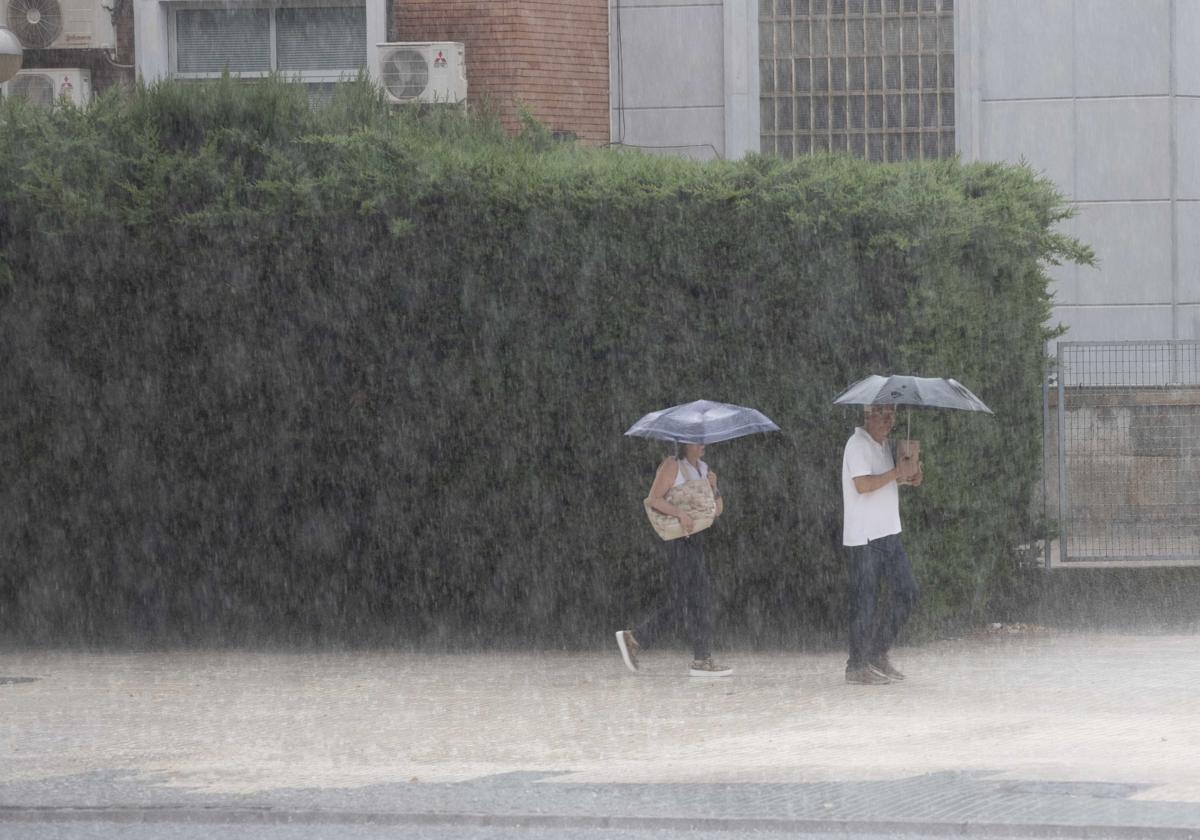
{"type": "Point", "coordinates": [685, 76]}
{"type": "Point", "coordinates": [1103, 97]}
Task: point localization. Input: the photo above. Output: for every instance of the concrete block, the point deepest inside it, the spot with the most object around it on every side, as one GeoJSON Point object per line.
{"type": "Point", "coordinates": [697, 133]}
{"type": "Point", "coordinates": [1187, 239]}
{"type": "Point", "coordinates": [1189, 322]}
{"type": "Point", "coordinates": [1187, 145]}
{"type": "Point", "coordinates": [1027, 49]}
{"type": "Point", "coordinates": [1114, 323]}
{"type": "Point", "coordinates": [657, 4]}
{"type": "Point", "coordinates": [1122, 149]}
{"type": "Point", "coordinates": [1122, 47]}
{"type": "Point", "coordinates": [669, 56]}
{"type": "Point", "coordinates": [1039, 132]}
{"type": "Point", "coordinates": [1187, 47]}
{"type": "Point", "coordinates": [1132, 242]}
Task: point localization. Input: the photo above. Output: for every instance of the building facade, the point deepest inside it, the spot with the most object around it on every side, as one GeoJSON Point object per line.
{"type": "Point", "coordinates": [545, 57]}
{"type": "Point", "coordinates": [685, 76]}
{"type": "Point", "coordinates": [1101, 96]}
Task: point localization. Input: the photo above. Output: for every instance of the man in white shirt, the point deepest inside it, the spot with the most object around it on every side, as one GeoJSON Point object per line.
{"type": "Point", "coordinates": [871, 532]}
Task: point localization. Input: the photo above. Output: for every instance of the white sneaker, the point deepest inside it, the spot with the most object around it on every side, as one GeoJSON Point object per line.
{"type": "Point", "coordinates": [629, 649]}
{"type": "Point", "coordinates": [708, 668]}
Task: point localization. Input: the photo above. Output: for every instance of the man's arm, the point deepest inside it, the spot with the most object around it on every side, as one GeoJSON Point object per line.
{"type": "Point", "coordinates": [871, 483]}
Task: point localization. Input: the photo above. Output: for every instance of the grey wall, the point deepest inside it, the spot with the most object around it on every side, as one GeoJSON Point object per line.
{"type": "Point", "coordinates": [684, 76]}
{"type": "Point", "coordinates": [1103, 97]}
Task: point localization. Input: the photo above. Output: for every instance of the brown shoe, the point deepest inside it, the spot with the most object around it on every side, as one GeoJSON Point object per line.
{"type": "Point", "coordinates": [629, 649]}
{"type": "Point", "coordinates": [883, 666]}
{"type": "Point", "coordinates": [866, 675]}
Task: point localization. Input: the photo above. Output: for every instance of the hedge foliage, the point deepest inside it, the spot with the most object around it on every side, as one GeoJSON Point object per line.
{"type": "Point", "coordinates": [350, 374]}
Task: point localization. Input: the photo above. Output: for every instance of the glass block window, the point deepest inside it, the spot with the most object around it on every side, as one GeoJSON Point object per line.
{"type": "Point", "coordinates": [873, 78]}
{"type": "Point", "coordinates": [317, 44]}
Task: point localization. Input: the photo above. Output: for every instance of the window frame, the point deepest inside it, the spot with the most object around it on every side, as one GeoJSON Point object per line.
{"type": "Point", "coordinates": [273, 6]}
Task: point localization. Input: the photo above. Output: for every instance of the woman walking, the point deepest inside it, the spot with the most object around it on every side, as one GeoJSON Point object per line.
{"type": "Point", "coordinates": [686, 499]}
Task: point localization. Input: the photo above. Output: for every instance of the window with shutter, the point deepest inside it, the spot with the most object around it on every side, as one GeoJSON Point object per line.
{"type": "Point", "coordinates": [321, 38]}
{"type": "Point", "coordinates": [213, 40]}
{"type": "Point", "coordinates": [316, 44]}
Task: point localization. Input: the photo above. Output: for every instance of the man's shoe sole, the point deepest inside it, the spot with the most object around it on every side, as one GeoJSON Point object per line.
{"type": "Point", "coordinates": [882, 680]}
{"type": "Point", "coordinates": [693, 672]}
{"type": "Point", "coordinates": [896, 677]}
{"type": "Point", "coordinates": [629, 663]}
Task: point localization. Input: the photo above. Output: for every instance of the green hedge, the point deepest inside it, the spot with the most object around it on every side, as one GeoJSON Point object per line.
{"type": "Point", "coordinates": [281, 373]}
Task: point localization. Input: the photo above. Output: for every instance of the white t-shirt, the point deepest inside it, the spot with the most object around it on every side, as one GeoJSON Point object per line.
{"type": "Point", "coordinates": [868, 516]}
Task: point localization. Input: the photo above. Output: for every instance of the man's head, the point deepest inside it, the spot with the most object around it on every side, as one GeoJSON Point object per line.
{"type": "Point", "coordinates": [878, 420]}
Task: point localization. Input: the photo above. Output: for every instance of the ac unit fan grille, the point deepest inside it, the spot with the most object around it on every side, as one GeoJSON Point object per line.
{"type": "Point", "coordinates": [38, 23]}
{"type": "Point", "coordinates": [405, 73]}
{"type": "Point", "coordinates": [34, 88]}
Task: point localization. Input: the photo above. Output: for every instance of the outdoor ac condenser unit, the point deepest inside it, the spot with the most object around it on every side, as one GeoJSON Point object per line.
{"type": "Point", "coordinates": [47, 88]}
{"type": "Point", "coordinates": [423, 72]}
{"type": "Point", "coordinates": [59, 24]}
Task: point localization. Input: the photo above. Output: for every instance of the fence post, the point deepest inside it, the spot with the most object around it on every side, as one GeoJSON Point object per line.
{"type": "Point", "coordinates": [1045, 484]}
{"type": "Point", "coordinates": [1062, 461]}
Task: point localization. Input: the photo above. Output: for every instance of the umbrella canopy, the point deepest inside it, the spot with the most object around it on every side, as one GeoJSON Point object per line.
{"type": "Point", "coordinates": [701, 421]}
{"type": "Point", "coordinates": [916, 391]}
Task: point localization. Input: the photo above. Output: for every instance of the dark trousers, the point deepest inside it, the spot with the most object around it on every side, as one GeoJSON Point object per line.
{"type": "Point", "coordinates": [875, 622]}
{"type": "Point", "coordinates": [689, 598]}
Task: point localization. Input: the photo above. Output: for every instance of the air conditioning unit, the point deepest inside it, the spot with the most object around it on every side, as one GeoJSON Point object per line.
{"type": "Point", "coordinates": [60, 24]}
{"type": "Point", "coordinates": [47, 88]}
{"type": "Point", "coordinates": [423, 72]}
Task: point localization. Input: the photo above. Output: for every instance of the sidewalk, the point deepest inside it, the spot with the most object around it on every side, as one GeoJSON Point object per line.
{"type": "Point", "coordinates": [1072, 731]}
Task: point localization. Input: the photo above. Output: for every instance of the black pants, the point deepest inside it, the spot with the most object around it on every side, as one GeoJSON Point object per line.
{"type": "Point", "coordinates": [874, 625]}
{"type": "Point", "coordinates": [689, 598]}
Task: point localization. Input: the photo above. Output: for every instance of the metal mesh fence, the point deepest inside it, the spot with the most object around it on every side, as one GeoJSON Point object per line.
{"type": "Point", "coordinates": [1129, 460]}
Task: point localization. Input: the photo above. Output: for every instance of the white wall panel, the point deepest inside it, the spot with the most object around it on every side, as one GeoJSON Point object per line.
{"type": "Point", "coordinates": [1026, 48]}
{"type": "Point", "coordinates": [1123, 149]}
{"type": "Point", "coordinates": [1187, 215]}
{"type": "Point", "coordinates": [1187, 137]}
{"type": "Point", "coordinates": [672, 56]}
{"type": "Point", "coordinates": [1041, 132]}
{"type": "Point", "coordinates": [1120, 47]}
{"type": "Point", "coordinates": [1132, 242]}
{"type": "Point", "coordinates": [1114, 323]}
{"type": "Point", "coordinates": [697, 133]}
{"type": "Point", "coordinates": [1187, 47]}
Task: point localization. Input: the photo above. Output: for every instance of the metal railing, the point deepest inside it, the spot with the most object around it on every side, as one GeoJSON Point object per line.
{"type": "Point", "coordinates": [1124, 445]}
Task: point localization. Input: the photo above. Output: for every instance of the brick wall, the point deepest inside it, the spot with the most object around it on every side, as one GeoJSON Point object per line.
{"type": "Point", "coordinates": [549, 55]}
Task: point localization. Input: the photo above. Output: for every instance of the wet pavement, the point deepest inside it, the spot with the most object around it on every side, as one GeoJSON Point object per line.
{"type": "Point", "coordinates": [1021, 733]}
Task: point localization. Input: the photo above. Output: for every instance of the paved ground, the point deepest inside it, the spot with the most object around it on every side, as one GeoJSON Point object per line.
{"type": "Point", "coordinates": [1028, 733]}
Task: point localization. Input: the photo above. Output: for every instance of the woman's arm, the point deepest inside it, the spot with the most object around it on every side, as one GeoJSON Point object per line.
{"type": "Point", "coordinates": [712, 482]}
{"type": "Point", "coordinates": [663, 479]}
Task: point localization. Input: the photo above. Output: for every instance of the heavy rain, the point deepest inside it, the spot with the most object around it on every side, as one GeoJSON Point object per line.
{"type": "Point", "coordinates": [599, 419]}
